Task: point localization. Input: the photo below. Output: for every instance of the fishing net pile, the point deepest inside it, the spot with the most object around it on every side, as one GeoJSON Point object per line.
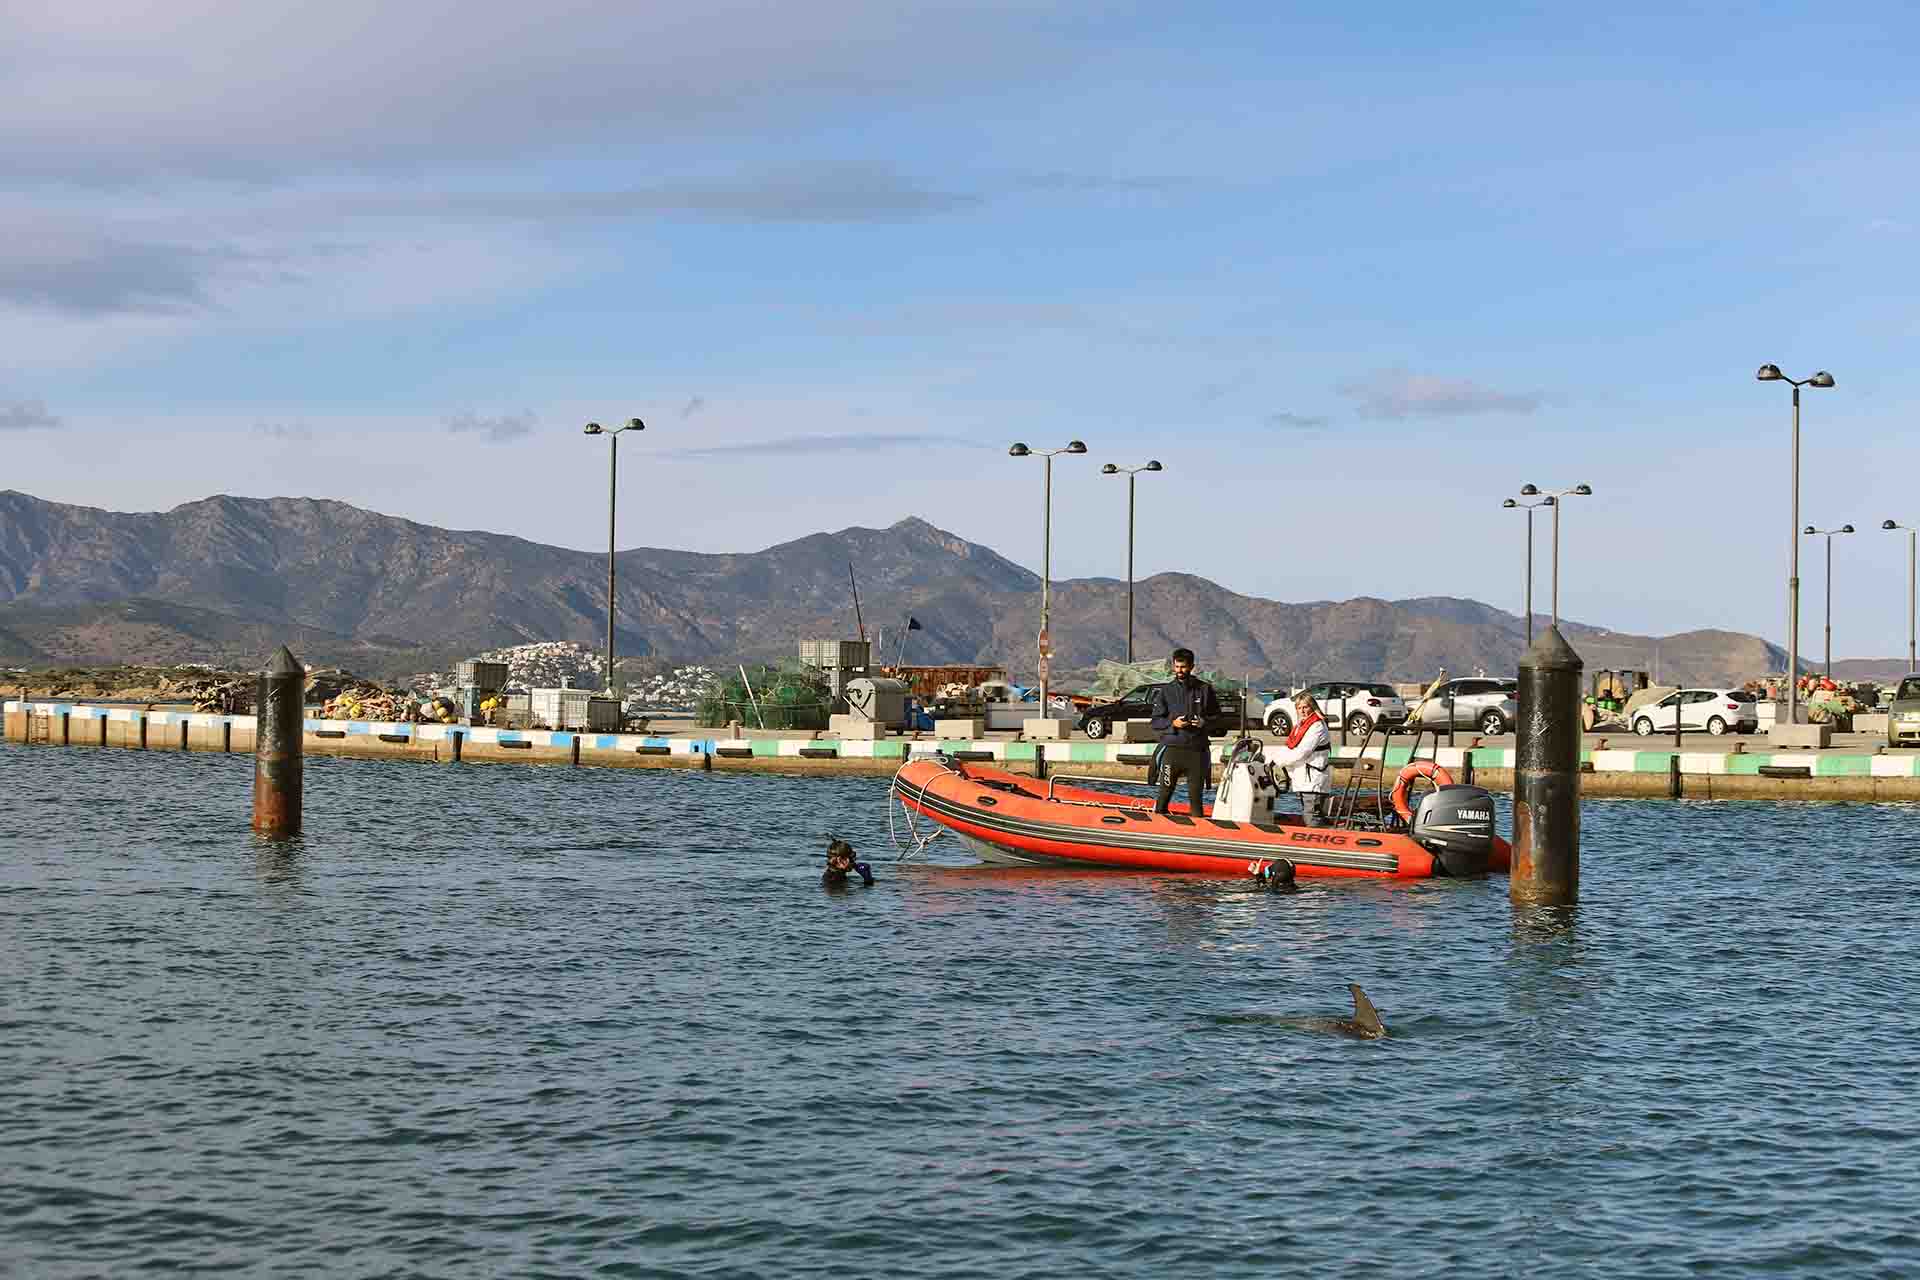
{"type": "Point", "coordinates": [789, 696]}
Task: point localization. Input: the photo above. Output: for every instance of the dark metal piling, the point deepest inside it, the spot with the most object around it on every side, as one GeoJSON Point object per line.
{"type": "Point", "coordinates": [1546, 776]}
{"type": "Point", "coordinates": [278, 780]}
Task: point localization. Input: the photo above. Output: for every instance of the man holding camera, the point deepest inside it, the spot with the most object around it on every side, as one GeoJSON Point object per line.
{"type": "Point", "coordinates": [1181, 709]}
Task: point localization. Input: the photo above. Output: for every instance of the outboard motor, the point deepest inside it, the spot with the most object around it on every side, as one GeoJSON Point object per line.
{"type": "Point", "coordinates": [1455, 825]}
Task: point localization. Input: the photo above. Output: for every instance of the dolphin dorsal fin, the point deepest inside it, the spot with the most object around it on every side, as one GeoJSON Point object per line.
{"type": "Point", "coordinates": [1364, 1014]}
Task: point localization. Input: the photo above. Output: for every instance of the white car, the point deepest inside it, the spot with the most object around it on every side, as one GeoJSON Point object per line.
{"type": "Point", "coordinates": [1357, 704]}
{"type": "Point", "coordinates": [1714, 710]}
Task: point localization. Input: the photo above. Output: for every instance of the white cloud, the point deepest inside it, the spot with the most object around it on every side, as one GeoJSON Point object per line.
{"type": "Point", "coordinates": [1296, 421]}
{"type": "Point", "coordinates": [506, 426]}
{"type": "Point", "coordinates": [25, 415]}
{"type": "Point", "coordinates": [114, 90]}
{"type": "Point", "coordinates": [1401, 393]}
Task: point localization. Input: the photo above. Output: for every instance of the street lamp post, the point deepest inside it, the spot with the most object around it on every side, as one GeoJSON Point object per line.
{"type": "Point", "coordinates": [613, 470]}
{"type": "Point", "coordinates": [1111, 470]}
{"type": "Point", "coordinates": [1578, 491]}
{"type": "Point", "coordinates": [1045, 642]}
{"type": "Point", "coordinates": [1810, 530]}
{"type": "Point", "coordinates": [1771, 373]}
{"type": "Point", "coordinates": [1548, 501]}
{"type": "Point", "coordinates": [1894, 524]}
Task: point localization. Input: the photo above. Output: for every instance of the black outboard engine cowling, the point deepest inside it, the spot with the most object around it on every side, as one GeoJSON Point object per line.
{"type": "Point", "coordinates": [1455, 825]}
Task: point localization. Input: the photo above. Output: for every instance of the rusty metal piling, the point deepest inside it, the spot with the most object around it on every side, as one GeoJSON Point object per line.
{"type": "Point", "coordinates": [278, 778]}
{"type": "Point", "coordinates": [1546, 776]}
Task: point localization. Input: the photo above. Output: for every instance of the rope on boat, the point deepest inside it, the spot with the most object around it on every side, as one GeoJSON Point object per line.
{"type": "Point", "coordinates": [915, 844]}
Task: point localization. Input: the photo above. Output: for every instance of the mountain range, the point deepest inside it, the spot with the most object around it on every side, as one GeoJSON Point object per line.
{"type": "Point", "coordinates": [225, 579]}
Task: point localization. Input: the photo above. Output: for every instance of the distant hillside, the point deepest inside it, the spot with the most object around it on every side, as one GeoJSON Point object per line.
{"type": "Point", "coordinates": [227, 578]}
{"type": "Point", "coordinates": [1868, 668]}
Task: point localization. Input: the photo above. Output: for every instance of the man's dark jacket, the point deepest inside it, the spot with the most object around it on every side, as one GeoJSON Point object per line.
{"type": "Point", "coordinates": [1191, 697]}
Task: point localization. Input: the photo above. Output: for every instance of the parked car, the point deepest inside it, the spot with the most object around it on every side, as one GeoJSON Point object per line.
{"type": "Point", "coordinates": [1357, 704]}
{"type": "Point", "coordinates": [1478, 702]}
{"type": "Point", "coordinates": [1714, 710]}
{"type": "Point", "coordinates": [1903, 714]}
{"type": "Point", "coordinates": [1098, 720]}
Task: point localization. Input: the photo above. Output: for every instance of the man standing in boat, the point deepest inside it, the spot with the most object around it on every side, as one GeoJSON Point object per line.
{"type": "Point", "coordinates": [1306, 756]}
{"type": "Point", "coordinates": [1181, 709]}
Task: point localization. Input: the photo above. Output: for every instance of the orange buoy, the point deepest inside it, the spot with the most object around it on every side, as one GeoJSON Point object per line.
{"type": "Point", "coordinates": [1416, 769]}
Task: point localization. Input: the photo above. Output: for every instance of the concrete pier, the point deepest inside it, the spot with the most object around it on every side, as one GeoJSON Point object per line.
{"type": "Point", "coordinates": [1859, 768]}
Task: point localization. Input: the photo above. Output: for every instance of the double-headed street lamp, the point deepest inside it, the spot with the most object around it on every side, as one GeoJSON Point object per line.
{"type": "Point", "coordinates": [1578, 491]}
{"type": "Point", "coordinates": [1045, 644]}
{"type": "Point", "coordinates": [1112, 470]}
{"type": "Point", "coordinates": [1895, 524]}
{"type": "Point", "coordinates": [1810, 531]}
{"type": "Point", "coordinates": [1529, 506]}
{"type": "Point", "coordinates": [613, 468]}
{"type": "Point", "coordinates": [1771, 373]}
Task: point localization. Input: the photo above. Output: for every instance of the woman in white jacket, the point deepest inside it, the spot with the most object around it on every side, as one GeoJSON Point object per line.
{"type": "Point", "coordinates": [1306, 756]}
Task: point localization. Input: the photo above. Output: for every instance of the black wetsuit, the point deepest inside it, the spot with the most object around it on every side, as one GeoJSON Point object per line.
{"type": "Point", "coordinates": [1183, 752]}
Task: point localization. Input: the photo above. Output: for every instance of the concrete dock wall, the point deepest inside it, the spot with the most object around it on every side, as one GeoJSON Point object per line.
{"type": "Point", "coordinates": [1796, 775]}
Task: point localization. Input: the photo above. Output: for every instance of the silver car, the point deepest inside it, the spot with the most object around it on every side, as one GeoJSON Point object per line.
{"type": "Point", "coordinates": [1903, 714]}
{"type": "Point", "coordinates": [1478, 702]}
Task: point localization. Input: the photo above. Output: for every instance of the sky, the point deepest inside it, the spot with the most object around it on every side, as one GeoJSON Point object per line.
{"type": "Point", "coordinates": [1352, 274]}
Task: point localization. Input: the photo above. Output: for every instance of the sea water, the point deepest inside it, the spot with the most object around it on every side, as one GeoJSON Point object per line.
{"type": "Point", "coordinates": [492, 1020]}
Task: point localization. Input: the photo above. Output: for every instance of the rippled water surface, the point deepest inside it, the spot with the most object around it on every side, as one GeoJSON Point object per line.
{"type": "Point", "coordinates": [519, 1021]}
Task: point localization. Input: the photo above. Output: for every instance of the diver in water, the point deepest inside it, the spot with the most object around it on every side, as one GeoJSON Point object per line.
{"type": "Point", "coordinates": [841, 864]}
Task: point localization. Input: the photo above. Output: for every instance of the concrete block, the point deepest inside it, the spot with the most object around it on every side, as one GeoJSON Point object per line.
{"type": "Point", "coordinates": [1814, 737]}
{"type": "Point", "coordinates": [1135, 731]}
{"type": "Point", "coordinates": [1046, 729]}
{"type": "Point", "coordinates": [1874, 722]}
{"type": "Point", "coordinates": [968, 729]}
{"type": "Point", "coordinates": [855, 728]}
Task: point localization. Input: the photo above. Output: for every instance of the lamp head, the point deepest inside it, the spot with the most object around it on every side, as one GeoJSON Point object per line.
{"type": "Point", "coordinates": [1509, 503]}
{"type": "Point", "coordinates": [1549, 501]}
{"type": "Point", "coordinates": [1079, 446]}
{"type": "Point", "coordinates": [634, 424]}
{"type": "Point", "coordinates": [1109, 470]}
{"type": "Point", "coordinates": [1018, 451]}
{"type": "Point", "coordinates": [1889, 524]}
{"type": "Point", "coordinates": [1153, 464]}
{"type": "Point", "coordinates": [1809, 529]}
{"type": "Point", "coordinates": [1529, 490]}
{"type": "Point", "coordinates": [1583, 490]}
{"type": "Point", "coordinates": [1821, 379]}
{"type": "Point", "coordinates": [1770, 373]}
{"type": "Point", "coordinates": [593, 428]}
{"type": "Point", "coordinates": [1846, 528]}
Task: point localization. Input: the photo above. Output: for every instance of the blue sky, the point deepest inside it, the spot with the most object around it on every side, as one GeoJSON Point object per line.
{"type": "Point", "coordinates": [1353, 279]}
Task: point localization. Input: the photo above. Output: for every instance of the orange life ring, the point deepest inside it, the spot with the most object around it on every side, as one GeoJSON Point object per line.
{"type": "Point", "coordinates": [1416, 769]}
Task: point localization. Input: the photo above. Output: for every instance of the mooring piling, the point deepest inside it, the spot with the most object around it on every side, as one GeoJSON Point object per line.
{"type": "Point", "coordinates": [278, 781]}
{"type": "Point", "coordinates": [1546, 776]}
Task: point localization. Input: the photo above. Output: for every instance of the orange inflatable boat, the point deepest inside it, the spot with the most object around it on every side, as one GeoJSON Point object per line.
{"type": "Point", "coordinates": [1029, 821]}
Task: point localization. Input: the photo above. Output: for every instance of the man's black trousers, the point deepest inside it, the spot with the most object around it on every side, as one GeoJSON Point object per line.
{"type": "Point", "coordinates": [1189, 762]}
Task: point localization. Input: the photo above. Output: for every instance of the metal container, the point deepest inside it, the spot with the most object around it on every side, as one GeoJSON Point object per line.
{"type": "Point", "coordinates": [575, 709]}
{"type": "Point", "coordinates": [1010, 715]}
{"type": "Point", "coordinates": [828, 654]}
{"type": "Point", "coordinates": [878, 699]}
{"type": "Point", "coordinates": [475, 674]}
